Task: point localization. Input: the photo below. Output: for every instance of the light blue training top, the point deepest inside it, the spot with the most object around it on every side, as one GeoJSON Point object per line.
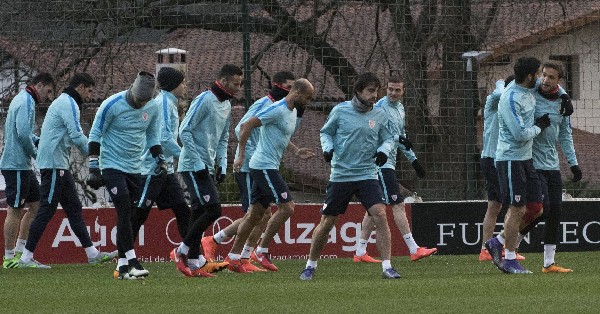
{"type": "Point", "coordinates": [18, 134]}
{"type": "Point", "coordinates": [355, 137]}
{"type": "Point", "coordinates": [396, 125]}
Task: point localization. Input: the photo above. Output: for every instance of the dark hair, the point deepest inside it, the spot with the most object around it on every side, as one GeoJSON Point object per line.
{"type": "Point", "coordinates": [229, 70]}
{"type": "Point", "coordinates": [395, 79]}
{"type": "Point", "coordinates": [508, 79]}
{"type": "Point", "coordinates": [557, 67]}
{"type": "Point", "coordinates": [44, 78]}
{"type": "Point", "coordinates": [283, 76]}
{"type": "Point", "coordinates": [81, 79]}
{"type": "Point", "coordinates": [364, 80]}
{"type": "Point", "coordinates": [526, 66]}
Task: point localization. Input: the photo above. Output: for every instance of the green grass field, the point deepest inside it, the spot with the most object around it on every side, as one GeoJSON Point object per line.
{"type": "Point", "coordinates": [447, 284]}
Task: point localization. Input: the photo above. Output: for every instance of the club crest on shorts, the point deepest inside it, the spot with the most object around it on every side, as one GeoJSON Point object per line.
{"type": "Point", "coordinates": [517, 198]}
{"type": "Point", "coordinates": [371, 123]}
{"type": "Point", "coordinates": [284, 195]}
{"type": "Point", "coordinates": [145, 116]}
{"type": "Point", "coordinates": [114, 190]}
{"type": "Point", "coordinates": [206, 198]}
{"type": "Point", "coordinates": [22, 201]}
{"type": "Point", "coordinates": [61, 173]}
{"type": "Point", "coordinates": [148, 202]}
{"type": "Point", "coordinates": [394, 197]}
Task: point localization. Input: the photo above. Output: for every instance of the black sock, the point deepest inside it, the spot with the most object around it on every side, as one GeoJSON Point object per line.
{"type": "Point", "coordinates": [134, 263]}
{"type": "Point", "coordinates": [123, 269]}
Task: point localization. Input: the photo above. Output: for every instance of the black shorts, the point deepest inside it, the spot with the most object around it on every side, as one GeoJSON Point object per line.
{"type": "Point", "coordinates": [268, 187]}
{"type": "Point", "coordinates": [552, 186]}
{"type": "Point", "coordinates": [339, 195]}
{"type": "Point", "coordinates": [120, 184]}
{"type": "Point", "coordinates": [201, 187]}
{"type": "Point", "coordinates": [164, 190]}
{"type": "Point", "coordinates": [519, 182]}
{"type": "Point", "coordinates": [490, 173]}
{"type": "Point", "coordinates": [21, 187]}
{"type": "Point", "coordinates": [389, 186]}
{"type": "Point", "coordinates": [244, 182]}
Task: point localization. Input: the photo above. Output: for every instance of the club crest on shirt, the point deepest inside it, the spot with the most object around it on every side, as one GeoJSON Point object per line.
{"type": "Point", "coordinates": [206, 198]}
{"type": "Point", "coordinates": [394, 197]}
{"type": "Point", "coordinates": [114, 190]}
{"type": "Point", "coordinates": [284, 195]}
{"type": "Point", "coordinates": [145, 116]}
{"type": "Point", "coordinates": [517, 198]}
{"type": "Point", "coordinates": [371, 123]}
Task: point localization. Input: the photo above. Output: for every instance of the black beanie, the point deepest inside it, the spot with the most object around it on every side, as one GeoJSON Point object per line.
{"type": "Point", "coordinates": [169, 78]}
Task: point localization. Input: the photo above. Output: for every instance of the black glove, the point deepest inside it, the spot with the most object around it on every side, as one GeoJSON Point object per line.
{"type": "Point", "coordinates": [380, 158]}
{"type": "Point", "coordinates": [161, 166]}
{"type": "Point", "coordinates": [328, 156]}
{"type": "Point", "coordinates": [404, 141]}
{"type": "Point", "coordinates": [94, 179]}
{"type": "Point", "coordinates": [577, 175]}
{"type": "Point", "coordinates": [418, 169]}
{"type": "Point", "coordinates": [219, 176]}
{"type": "Point", "coordinates": [566, 106]}
{"type": "Point", "coordinates": [542, 122]}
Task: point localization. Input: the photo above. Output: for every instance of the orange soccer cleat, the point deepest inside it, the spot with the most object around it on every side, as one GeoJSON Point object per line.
{"type": "Point", "coordinates": [210, 248]}
{"type": "Point", "coordinates": [422, 252]}
{"type": "Point", "coordinates": [364, 259]}
{"type": "Point", "coordinates": [264, 261]}
{"type": "Point", "coordinates": [251, 267]}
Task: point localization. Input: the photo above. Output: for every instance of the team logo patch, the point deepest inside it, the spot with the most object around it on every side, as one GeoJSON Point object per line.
{"type": "Point", "coordinates": [206, 198]}
{"type": "Point", "coordinates": [284, 195]}
{"type": "Point", "coordinates": [517, 198]}
{"type": "Point", "coordinates": [394, 197]}
{"type": "Point", "coordinates": [148, 202]}
{"type": "Point", "coordinates": [145, 116]}
{"type": "Point", "coordinates": [22, 201]}
{"type": "Point", "coordinates": [61, 173]}
{"type": "Point", "coordinates": [371, 123]}
{"type": "Point", "coordinates": [114, 190]}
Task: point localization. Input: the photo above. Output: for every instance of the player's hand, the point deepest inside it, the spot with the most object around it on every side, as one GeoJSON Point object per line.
{"type": "Point", "coordinates": [566, 106]}
{"type": "Point", "coordinates": [542, 122]}
{"type": "Point", "coordinates": [305, 153]}
{"type": "Point", "coordinates": [328, 156]}
{"type": "Point", "coordinates": [577, 175]}
{"type": "Point", "coordinates": [219, 176]}
{"type": "Point", "coordinates": [380, 158]}
{"type": "Point", "coordinates": [418, 169]}
{"type": "Point", "coordinates": [161, 166]}
{"type": "Point", "coordinates": [405, 142]}
{"type": "Point", "coordinates": [94, 179]}
{"type": "Point", "coordinates": [237, 163]}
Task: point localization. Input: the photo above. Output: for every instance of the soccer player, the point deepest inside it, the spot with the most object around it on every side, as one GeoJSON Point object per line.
{"type": "Point", "coordinates": [519, 183]}
{"type": "Point", "coordinates": [277, 125]}
{"type": "Point", "coordinates": [125, 123]}
{"type": "Point", "coordinates": [60, 130]}
{"type": "Point", "coordinates": [282, 83]}
{"type": "Point", "coordinates": [545, 157]}
{"type": "Point", "coordinates": [394, 109]}
{"type": "Point", "coordinates": [164, 190]}
{"type": "Point", "coordinates": [204, 134]}
{"type": "Point", "coordinates": [20, 146]}
{"type": "Point", "coordinates": [355, 139]}
{"type": "Point", "coordinates": [488, 154]}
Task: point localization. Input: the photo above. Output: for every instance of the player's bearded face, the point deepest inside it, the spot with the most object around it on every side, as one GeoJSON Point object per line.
{"type": "Point", "coordinates": [368, 95]}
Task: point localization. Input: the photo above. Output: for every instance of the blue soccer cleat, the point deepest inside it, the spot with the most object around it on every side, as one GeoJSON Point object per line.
{"type": "Point", "coordinates": [390, 273]}
{"type": "Point", "coordinates": [512, 266]}
{"type": "Point", "coordinates": [307, 273]}
{"type": "Point", "coordinates": [495, 249]}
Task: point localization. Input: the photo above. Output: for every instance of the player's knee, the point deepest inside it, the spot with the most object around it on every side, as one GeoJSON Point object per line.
{"type": "Point", "coordinates": [287, 208]}
{"type": "Point", "coordinates": [533, 210]}
{"type": "Point", "coordinates": [213, 211]}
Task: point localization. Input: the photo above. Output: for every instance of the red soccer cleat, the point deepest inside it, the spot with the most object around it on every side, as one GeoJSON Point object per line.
{"type": "Point", "coordinates": [364, 259]}
{"type": "Point", "coordinates": [484, 255]}
{"type": "Point", "coordinates": [181, 262]}
{"type": "Point", "coordinates": [236, 266]}
{"type": "Point", "coordinates": [421, 253]}
{"type": "Point", "coordinates": [263, 260]}
{"type": "Point", "coordinates": [210, 248]}
{"type": "Point", "coordinates": [251, 267]}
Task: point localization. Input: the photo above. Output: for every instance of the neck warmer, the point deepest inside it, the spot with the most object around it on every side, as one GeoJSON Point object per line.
{"type": "Point", "coordinates": [220, 91]}
{"type": "Point", "coordinates": [278, 92]}
{"type": "Point", "coordinates": [553, 95]}
{"type": "Point", "coordinates": [359, 105]}
{"type": "Point", "coordinates": [74, 94]}
{"type": "Point", "coordinates": [129, 99]}
{"type": "Point", "coordinates": [33, 92]}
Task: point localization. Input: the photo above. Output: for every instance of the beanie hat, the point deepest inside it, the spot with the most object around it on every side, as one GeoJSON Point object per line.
{"type": "Point", "coordinates": [169, 78]}
{"type": "Point", "coordinates": [143, 87]}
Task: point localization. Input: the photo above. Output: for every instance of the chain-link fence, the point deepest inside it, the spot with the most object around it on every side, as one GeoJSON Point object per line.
{"type": "Point", "coordinates": [449, 53]}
